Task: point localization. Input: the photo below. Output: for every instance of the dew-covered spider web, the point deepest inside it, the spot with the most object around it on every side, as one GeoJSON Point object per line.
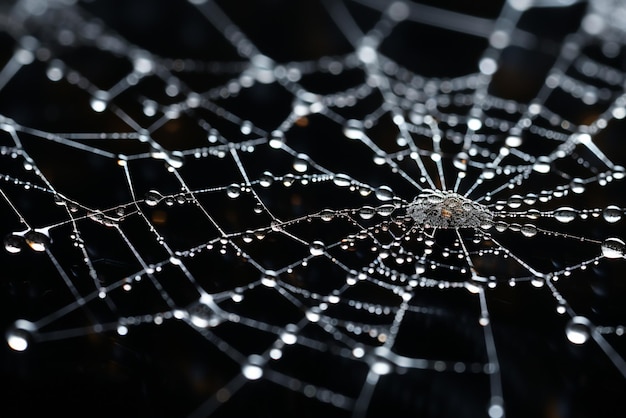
{"type": "Point", "coordinates": [341, 208]}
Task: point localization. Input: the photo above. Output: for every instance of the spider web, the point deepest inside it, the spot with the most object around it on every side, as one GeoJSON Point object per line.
{"type": "Point", "coordinates": [339, 208]}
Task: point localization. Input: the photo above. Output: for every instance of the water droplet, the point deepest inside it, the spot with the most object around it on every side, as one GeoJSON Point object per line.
{"type": "Point", "coordinates": [13, 243]}
{"type": "Point", "coordinates": [384, 193]}
{"type": "Point", "coordinates": [565, 214]}
{"type": "Point", "coordinates": [385, 210]}
{"type": "Point", "coordinates": [578, 330]}
{"type": "Point", "coordinates": [488, 173]}
{"type": "Point", "coordinates": [19, 335]}
{"type": "Point", "coordinates": [201, 315]}
{"type": "Point", "coordinates": [317, 248]}
{"type": "Point", "coordinates": [460, 161]}
{"type": "Point", "coordinates": [353, 129]}
{"type": "Point", "coordinates": [301, 163]}
{"type": "Point", "coordinates": [327, 215]}
{"type": "Point", "coordinates": [542, 165]}
{"type": "Point", "coordinates": [367, 212]}
{"type": "Point", "coordinates": [342, 180]}
{"type": "Point", "coordinates": [152, 198]}
{"type": "Point", "coordinates": [246, 127]}
{"type": "Point", "coordinates": [99, 101]}
{"type": "Point", "coordinates": [252, 371]}
{"type": "Point", "coordinates": [381, 367]}
{"type": "Point", "coordinates": [515, 201]}
{"type": "Point", "coordinates": [613, 248]}
{"type": "Point", "coordinates": [501, 226]}
{"type": "Point", "coordinates": [269, 278]}
{"type": "Point", "coordinates": [56, 70]}
{"type": "Point", "coordinates": [266, 179]}
{"type": "Point", "coordinates": [277, 139]}
{"type": "Point", "coordinates": [612, 213]}
{"type": "Point", "coordinates": [233, 191]}
{"type": "Point", "coordinates": [528, 230]}
{"type": "Point", "coordinates": [513, 141]}
{"type": "Point", "coordinates": [577, 186]}
{"type": "Point", "coordinates": [174, 159]}
{"type": "Point", "coordinates": [37, 240]}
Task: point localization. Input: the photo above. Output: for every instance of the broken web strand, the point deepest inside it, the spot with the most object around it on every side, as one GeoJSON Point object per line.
{"type": "Point", "coordinates": [256, 366]}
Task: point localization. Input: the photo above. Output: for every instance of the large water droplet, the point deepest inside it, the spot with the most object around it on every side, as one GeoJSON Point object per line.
{"type": "Point", "coordinates": [613, 248]}
{"type": "Point", "coordinates": [578, 330]}
{"type": "Point", "coordinates": [612, 213]}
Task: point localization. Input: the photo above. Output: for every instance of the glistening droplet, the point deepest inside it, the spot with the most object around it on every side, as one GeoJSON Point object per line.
{"type": "Point", "coordinates": [578, 330]}
{"type": "Point", "coordinates": [613, 248]}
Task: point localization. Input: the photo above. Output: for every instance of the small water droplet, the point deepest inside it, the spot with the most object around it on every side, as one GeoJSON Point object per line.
{"type": "Point", "coordinates": [515, 201]}
{"type": "Point", "coordinates": [578, 330]}
{"type": "Point", "coordinates": [252, 371]}
{"type": "Point", "coordinates": [385, 210]}
{"type": "Point", "coordinates": [501, 226]}
{"type": "Point", "coordinates": [384, 193]}
{"type": "Point", "coordinates": [565, 214]}
{"type": "Point", "coordinates": [613, 248]}
{"type": "Point", "coordinates": [233, 191]}
{"type": "Point", "coordinates": [19, 335]}
{"type": "Point", "coordinates": [353, 129]}
{"type": "Point", "coordinates": [277, 139]}
{"type": "Point", "coordinates": [367, 212]}
{"type": "Point", "coordinates": [13, 243]}
{"type": "Point", "coordinates": [266, 179]}
{"type": "Point", "coordinates": [342, 180]}
{"type": "Point", "coordinates": [542, 165]}
{"type": "Point", "coordinates": [269, 278]}
{"type": "Point", "coordinates": [529, 230]}
{"type": "Point", "coordinates": [577, 186]}
{"type": "Point", "coordinates": [152, 198]}
{"type": "Point", "coordinates": [99, 101]}
{"type": "Point", "coordinates": [316, 248]}
{"type": "Point", "coordinates": [612, 213]}
{"type": "Point", "coordinates": [301, 163]}
{"type": "Point", "coordinates": [327, 215]}
{"type": "Point", "coordinates": [37, 240]}
{"type": "Point", "coordinates": [201, 315]}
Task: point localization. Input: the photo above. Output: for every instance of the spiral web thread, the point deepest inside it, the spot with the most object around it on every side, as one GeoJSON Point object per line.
{"type": "Point", "coordinates": [351, 226]}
